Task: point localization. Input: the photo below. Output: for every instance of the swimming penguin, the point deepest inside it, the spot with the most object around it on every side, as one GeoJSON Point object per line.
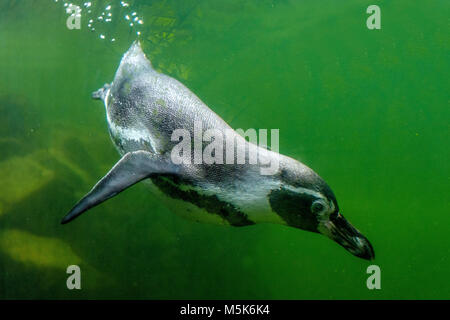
{"type": "Point", "coordinates": [143, 110]}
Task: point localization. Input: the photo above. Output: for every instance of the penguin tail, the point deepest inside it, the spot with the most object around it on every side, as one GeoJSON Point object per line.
{"type": "Point", "coordinates": [101, 93]}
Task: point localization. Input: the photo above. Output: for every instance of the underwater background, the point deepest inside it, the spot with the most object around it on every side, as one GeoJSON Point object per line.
{"type": "Point", "coordinates": [366, 109]}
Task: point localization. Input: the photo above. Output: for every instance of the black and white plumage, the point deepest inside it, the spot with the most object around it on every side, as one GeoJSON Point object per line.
{"type": "Point", "coordinates": [144, 107]}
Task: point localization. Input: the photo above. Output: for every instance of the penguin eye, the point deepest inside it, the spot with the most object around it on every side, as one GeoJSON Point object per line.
{"type": "Point", "coordinates": [317, 206]}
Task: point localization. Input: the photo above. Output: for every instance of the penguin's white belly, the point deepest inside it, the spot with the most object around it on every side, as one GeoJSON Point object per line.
{"type": "Point", "coordinates": [253, 204]}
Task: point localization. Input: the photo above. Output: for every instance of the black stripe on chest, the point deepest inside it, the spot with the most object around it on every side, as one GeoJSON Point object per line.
{"type": "Point", "coordinates": [211, 203]}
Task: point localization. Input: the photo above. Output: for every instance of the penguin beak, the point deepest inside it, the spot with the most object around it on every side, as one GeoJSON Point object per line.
{"type": "Point", "coordinates": [340, 230]}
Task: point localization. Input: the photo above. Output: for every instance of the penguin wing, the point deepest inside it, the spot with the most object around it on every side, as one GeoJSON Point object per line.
{"type": "Point", "coordinates": [132, 168]}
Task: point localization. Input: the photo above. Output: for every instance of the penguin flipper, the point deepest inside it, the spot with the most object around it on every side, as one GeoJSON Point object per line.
{"type": "Point", "coordinates": [132, 168]}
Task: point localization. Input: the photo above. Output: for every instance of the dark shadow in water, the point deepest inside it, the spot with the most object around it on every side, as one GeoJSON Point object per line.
{"type": "Point", "coordinates": [19, 126]}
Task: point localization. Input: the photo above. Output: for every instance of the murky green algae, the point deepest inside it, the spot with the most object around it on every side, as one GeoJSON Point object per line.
{"type": "Point", "coordinates": [22, 175]}
{"type": "Point", "coordinates": [35, 250]}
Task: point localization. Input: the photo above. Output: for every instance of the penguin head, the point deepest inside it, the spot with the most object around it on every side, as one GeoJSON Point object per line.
{"type": "Point", "coordinates": [305, 201]}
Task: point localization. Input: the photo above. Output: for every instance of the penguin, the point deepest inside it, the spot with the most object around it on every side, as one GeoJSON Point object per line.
{"type": "Point", "coordinates": [143, 110]}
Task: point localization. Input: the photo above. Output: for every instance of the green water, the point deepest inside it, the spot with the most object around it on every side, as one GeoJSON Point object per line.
{"type": "Point", "coordinates": [366, 109]}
